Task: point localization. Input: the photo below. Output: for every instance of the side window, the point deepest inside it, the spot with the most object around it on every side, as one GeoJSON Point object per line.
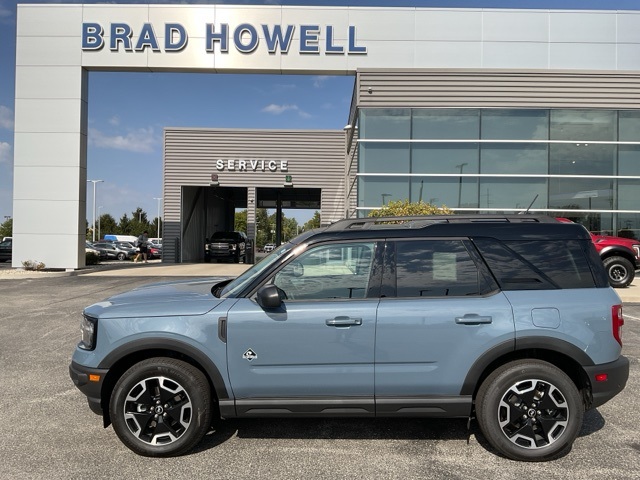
{"type": "Point", "coordinates": [328, 271]}
{"type": "Point", "coordinates": [435, 268]}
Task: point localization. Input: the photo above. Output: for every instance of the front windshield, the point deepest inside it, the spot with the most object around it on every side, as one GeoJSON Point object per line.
{"type": "Point", "coordinates": [237, 285]}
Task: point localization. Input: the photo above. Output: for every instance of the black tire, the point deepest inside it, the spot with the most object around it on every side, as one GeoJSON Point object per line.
{"type": "Point", "coordinates": [529, 410]}
{"type": "Point", "coordinates": [620, 271]}
{"type": "Point", "coordinates": [161, 407]}
{"type": "Point", "coordinates": [121, 256]}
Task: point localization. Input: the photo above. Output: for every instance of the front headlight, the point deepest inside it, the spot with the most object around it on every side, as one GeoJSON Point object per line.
{"type": "Point", "coordinates": [88, 329]}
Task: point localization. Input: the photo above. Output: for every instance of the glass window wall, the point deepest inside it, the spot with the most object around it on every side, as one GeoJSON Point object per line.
{"type": "Point", "coordinates": [577, 163]}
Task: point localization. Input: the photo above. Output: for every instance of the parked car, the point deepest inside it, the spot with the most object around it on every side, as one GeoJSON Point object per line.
{"type": "Point", "coordinates": [154, 252]}
{"type": "Point", "coordinates": [226, 246]}
{"type": "Point", "coordinates": [269, 247]}
{"type": "Point", "coordinates": [509, 320]}
{"type": "Point", "coordinates": [89, 248]}
{"type": "Point", "coordinates": [620, 255]}
{"type": "Point", "coordinates": [113, 250]}
{"type": "Point", "coordinates": [6, 249]}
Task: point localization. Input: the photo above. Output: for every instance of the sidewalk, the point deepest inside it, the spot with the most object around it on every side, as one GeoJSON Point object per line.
{"type": "Point", "coordinates": [155, 268]}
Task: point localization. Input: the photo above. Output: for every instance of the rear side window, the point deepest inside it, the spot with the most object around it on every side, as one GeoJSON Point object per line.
{"type": "Point", "coordinates": [537, 265]}
{"type": "Point", "coordinates": [435, 268]}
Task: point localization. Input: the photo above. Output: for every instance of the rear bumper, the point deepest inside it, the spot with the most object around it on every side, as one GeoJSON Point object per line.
{"type": "Point", "coordinates": [617, 375]}
{"type": "Point", "coordinates": [92, 389]}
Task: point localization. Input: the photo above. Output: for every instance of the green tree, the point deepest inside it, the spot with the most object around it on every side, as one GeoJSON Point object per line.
{"type": "Point", "coordinates": [241, 221]}
{"type": "Point", "coordinates": [108, 225]}
{"type": "Point", "coordinates": [125, 225]}
{"type": "Point", "coordinates": [6, 229]}
{"type": "Point", "coordinates": [262, 227]}
{"type": "Point", "coordinates": [403, 208]}
{"type": "Point", "coordinates": [314, 222]}
{"type": "Point", "coordinates": [289, 228]}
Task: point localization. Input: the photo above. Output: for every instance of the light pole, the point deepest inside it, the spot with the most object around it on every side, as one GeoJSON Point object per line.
{"type": "Point", "coordinates": [93, 229]}
{"type": "Point", "coordinates": [460, 166]}
{"type": "Point", "coordinates": [159, 199]}
{"type": "Point", "coordinates": [99, 221]}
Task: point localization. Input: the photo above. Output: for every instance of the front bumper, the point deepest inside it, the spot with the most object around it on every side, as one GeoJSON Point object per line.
{"type": "Point", "coordinates": [81, 375]}
{"type": "Point", "coordinates": [617, 375]}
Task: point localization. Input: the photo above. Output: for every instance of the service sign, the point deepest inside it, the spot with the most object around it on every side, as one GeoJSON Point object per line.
{"type": "Point", "coordinates": [244, 38]}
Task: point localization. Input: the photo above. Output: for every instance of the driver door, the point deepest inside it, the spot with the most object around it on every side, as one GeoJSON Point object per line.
{"type": "Point", "coordinates": [314, 353]}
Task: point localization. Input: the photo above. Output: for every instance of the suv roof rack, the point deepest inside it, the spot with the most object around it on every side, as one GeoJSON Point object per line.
{"type": "Point", "coordinates": [422, 221]}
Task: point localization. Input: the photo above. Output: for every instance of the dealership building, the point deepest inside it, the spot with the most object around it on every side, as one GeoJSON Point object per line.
{"type": "Point", "coordinates": [481, 110]}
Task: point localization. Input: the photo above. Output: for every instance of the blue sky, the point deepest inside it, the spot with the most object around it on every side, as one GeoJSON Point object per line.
{"type": "Point", "coordinates": [128, 111]}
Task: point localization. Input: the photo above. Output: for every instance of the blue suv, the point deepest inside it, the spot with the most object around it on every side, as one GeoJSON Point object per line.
{"type": "Point", "coordinates": [507, 319]}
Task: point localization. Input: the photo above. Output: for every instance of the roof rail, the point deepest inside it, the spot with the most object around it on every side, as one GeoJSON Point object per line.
{"type": "Point", "coordinates": [422, 221]}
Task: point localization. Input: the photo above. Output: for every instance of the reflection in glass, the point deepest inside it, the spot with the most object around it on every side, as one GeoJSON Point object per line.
{"type": "Point", "coordinates": [582, 159]}
{"type": "Point", "coordinates": [515, 124]}
{"type": "Point", "coordinates": [629, 160]}
{"type": "Point", "coordinates": [513, 193]}
{"type": "Point", "coordinates": [629, 125]}
{"type": "Point", "coordinates": [444, 157]}
{"type": "Point", "coordinates": [442, 124]}
{"type": "Point", "coordinates": [384, 158]}
{"type": "Point", "coordinates": [448, 191]}
{"type": "Point", "coordinates": [519, 158]}
{"type": "Point", "coordinates": [385, 123]}
{"type": "Point", "coordinates": [379, 191]}
{"type": "Point", "coordinates": [588, 125]}
{"type": "Point", "coordinates": [581, 193]}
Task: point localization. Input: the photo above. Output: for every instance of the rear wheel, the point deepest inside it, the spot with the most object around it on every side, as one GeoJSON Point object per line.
{"type": "Point", "coordinates": [620, 271]}
{"type": "Point", "coordinates": [161, 407]}
{"type": "Point", "coordinates": [121, 256]}
{"type": "Point", "coordinates": [529, 410]}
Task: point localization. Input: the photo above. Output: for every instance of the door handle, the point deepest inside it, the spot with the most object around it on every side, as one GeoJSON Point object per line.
{"type": "Point", "coordinates": [473, 319]}
{"type": "Point", "coordinates": [343, 321]}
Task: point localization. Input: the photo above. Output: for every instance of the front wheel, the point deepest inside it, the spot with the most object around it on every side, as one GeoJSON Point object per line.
{"type": "Point", "coordinates": [620, 271]}
{"type": "Point", "coordinates": [161, 407]}
{"type": "Point", "coordinates": [121, 256]}
{"type": "Point", "coordinates": [529, 410]}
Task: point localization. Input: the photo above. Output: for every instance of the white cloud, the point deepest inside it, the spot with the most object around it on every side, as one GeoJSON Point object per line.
{"type": "Point", "coordinates": [5, 152]}
{"type": "Point", "coordinates": [142, 140]}
{"type": "Point", "coordinates": [6, 117]}
{"type": "Point", "coordinates": [115, 121]}
{"type": "Point", "coordinates": [318, 80]}
{"type": "Point", "coordinates": [279, 109]}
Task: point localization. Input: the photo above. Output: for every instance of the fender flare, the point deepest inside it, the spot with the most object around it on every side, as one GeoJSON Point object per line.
{"type": "Point", "coordinates": [549, 344]}
{"type": "Point", "coordinates": [183, 348]}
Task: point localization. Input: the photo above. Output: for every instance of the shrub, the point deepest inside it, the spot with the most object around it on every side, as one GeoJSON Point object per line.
{"type": "Point", "coordinates": [91, 259]}
{"type": "Point", "coordinates": [33, 265]}
{"type": "Point", "coordinates": [403, 208]}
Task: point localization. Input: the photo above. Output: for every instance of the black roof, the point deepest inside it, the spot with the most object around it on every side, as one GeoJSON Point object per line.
{"type": "Point", "coordinates": [504, 227]}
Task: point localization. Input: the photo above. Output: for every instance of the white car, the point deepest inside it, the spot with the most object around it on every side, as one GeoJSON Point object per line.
{"type": "Point", "coordinates": [269, 246]}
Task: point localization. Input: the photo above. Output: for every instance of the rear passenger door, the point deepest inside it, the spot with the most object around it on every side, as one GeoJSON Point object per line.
{"type": "Point", "coordinates": [440, 311]}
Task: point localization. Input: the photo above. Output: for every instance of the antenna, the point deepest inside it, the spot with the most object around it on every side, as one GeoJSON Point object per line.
{"type": "Point", "coordinates": [530, 205]}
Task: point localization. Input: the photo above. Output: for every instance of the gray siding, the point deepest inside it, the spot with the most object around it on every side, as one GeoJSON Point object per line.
{"type": "Point", "coordinates": [497, 88]}
{"type": "Point", "coordinates": [315, 160]}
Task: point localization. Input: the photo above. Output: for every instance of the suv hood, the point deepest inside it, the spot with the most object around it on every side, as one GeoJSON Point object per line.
{"type": "Point", "coordinates": [627, 242]}
{"type": "Point", "coordinates": [175, 298]}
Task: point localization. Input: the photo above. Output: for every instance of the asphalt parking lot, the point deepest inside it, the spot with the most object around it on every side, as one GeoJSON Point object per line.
{"type": "Point", "coordinates": [48, 432]}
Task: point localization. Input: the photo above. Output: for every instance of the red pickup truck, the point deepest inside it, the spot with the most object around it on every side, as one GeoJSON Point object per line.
{"type": "Point", "coordinates": [621, 257]}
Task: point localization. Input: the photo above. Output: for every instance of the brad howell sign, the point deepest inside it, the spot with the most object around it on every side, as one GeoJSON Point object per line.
{"type": "Point", "coordinates": [246, 38]}
{"type": "Point", "coordinates": [241, 165]}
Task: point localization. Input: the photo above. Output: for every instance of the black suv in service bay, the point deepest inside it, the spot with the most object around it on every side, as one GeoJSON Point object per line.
{"type": "Point", "coordinates": [509, 320]}
{"type": "Point", "coordinates": [226, 246]}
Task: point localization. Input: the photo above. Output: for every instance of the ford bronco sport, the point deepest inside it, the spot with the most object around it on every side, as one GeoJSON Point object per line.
{"type": "Point", "coordinates": [507, 319]}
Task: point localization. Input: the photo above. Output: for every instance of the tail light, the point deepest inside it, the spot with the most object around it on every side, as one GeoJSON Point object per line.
{"type": "Point", "coordinates": [617, 320]}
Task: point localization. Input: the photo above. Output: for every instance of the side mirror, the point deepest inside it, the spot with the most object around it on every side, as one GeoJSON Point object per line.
{"type": "Point", "coordinates": [268, 296]}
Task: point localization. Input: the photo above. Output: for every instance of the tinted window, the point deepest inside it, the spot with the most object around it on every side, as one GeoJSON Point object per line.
{"type": "Point", "coordinates": [329, 271]}
{"type": "Point", "coordinates": [536, 265]}
{"type": "Point", "coordinates": [435, 268]}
